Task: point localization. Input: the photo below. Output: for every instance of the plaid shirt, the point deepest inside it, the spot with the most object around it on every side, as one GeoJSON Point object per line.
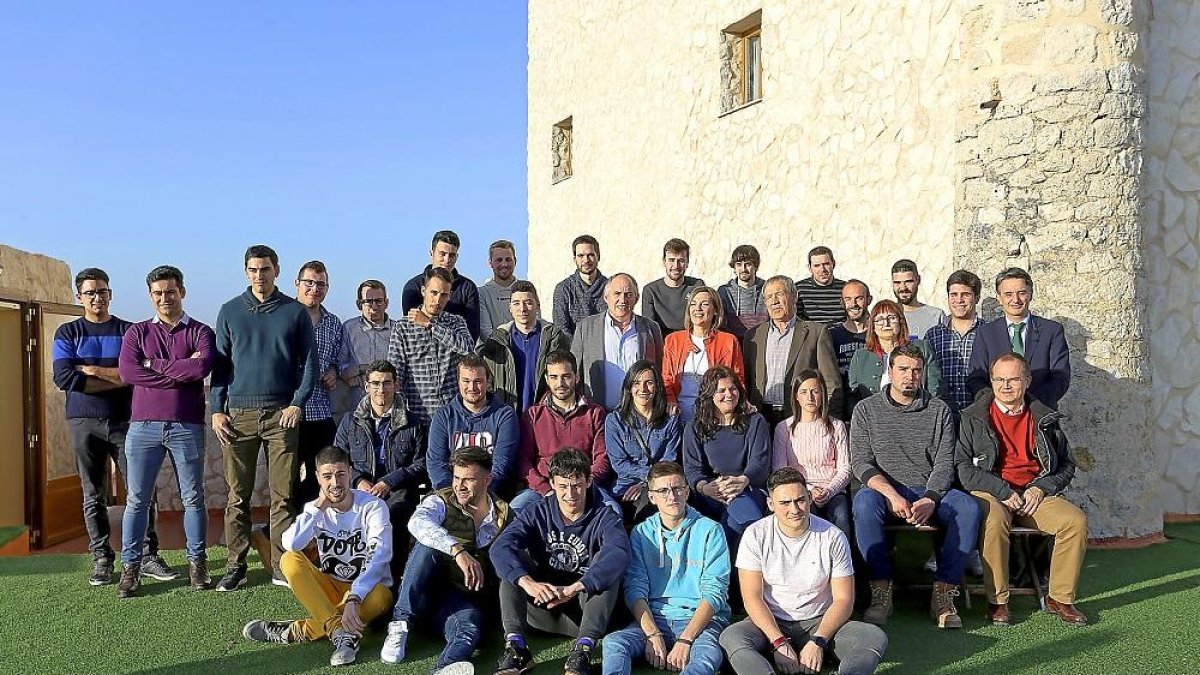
{"type": "Point", "coordinates": [953, 352]}
{"type": "Point", "coordinates": [426, 361]}
{"type": "Point", "coordinates": [329, 341]}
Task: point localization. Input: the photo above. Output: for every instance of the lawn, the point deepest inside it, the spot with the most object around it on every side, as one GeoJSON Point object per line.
{"type": "Point", "coordinates": [1143, 605]}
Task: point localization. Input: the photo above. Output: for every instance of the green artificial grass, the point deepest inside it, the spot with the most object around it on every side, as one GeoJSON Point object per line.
{"type": "Point", "coordinates": [10, 532]}
{"type": "Point", "coordinates": [1143, 604]}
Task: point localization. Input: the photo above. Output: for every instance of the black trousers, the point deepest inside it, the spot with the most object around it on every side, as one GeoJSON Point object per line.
{"type": "Point", "coordinates": [586, 616]}
{"type": "Point", "coordinates": [96, 441]}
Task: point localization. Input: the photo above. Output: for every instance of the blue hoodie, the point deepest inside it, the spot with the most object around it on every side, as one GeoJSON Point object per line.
{"type": "Point", "coordinates": [495, 429]}
{"type": "Point", "coordinates": [593, 550]}
{"type": "Point", "coordinates": [673, 570]}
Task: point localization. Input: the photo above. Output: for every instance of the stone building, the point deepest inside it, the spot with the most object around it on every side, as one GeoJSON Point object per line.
{"type": "Point", "coordinates": [1059, 135]}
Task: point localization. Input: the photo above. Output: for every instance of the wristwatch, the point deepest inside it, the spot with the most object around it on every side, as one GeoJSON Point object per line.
{"type": "Point", "coordinates": [819, 641]}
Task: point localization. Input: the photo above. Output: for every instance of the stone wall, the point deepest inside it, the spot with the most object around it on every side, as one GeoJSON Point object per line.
{"type": "Point", "coordinates": [38, 276]}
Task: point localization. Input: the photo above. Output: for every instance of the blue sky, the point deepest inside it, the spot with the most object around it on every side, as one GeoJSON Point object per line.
{"type": "Point", "coordinates": [139, 134]}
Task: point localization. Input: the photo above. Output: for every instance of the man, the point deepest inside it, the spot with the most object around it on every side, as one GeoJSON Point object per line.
{"type": "Point", "coordinates": [495, 294]}
{"type": "Point", "coordinates": [463, 298]}
{"type": "Point", "coordinates": [742, 296]}
{"type": "Point", "coordinates": [902, 445]}
{"type": "Point", "coordinates": [165, 360]}
{"type": "Point", "coordinates": [850, 335]}
{"type": "Point", "coordinates": [477, 419]}
{"type": "Point", "coordinates": [350, 585]}
{"type": "Point", "coordinates": [665, 299]}
{"type": "Point", "coordinates": [953, 338]}
{"type": "Point", "coordinates": [820, 295]}
{"type": "Point", "coordinates": [1014, 457]}
{"type": "Point", "coordinates": [777, 350]}
{"type": "Point", "coordinates": [906, 281]}
{"type": "Point", "coordinates": [797, 582]}
{"type": "Point", "coordinates": [1040, 341]}
{"type": "Point", "coordinates": [334, 360]}
{"type": "Point", "coordinates": [560, 564]}
{"type": "Point", "coordinates": [676, 585]}
{"type": "Point", "coordinates": [581, 294]}
{"type": "Point", "coordinates": [265, 370]}
{"type": "Point", "coordinates": [606, 345]}
{"type": "Point", "coordinates": [564, 419]}
{"type": "Point", "coordinates": [426, 346]}
{"type": "Point", "coordinates": [454, 529]}
{"type": "Point", "coordinates": [86, 353]}
{"type": "Point", "coordinates": [516, 351]}
{"type": "Point", "coordinates": [387, 452]}
{"type": "Point", "coordinates": [368, 334]}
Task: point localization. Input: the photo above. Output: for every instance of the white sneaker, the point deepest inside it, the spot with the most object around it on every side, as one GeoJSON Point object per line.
{"type": "Point", "coordinates": [456, 668]}
{"type": "Point", "coordinates": [931, 564]}
{"type": "Point", "coordinates": [345, 647]}
{"type": "Point", "coordinates": [975, 564]}
{"type": "Point", "coordinates": [395, 643]}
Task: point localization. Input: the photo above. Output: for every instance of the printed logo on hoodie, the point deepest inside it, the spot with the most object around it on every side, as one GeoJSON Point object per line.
{"type": "Point", "coordinates": [568, 552]}
{"type": "Point", "coordinates": [478, 439]}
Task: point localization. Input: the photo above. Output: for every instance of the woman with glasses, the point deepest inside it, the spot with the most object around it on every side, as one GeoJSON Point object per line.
{"type": "Point", "coordinates": [639, 433]}
{"type": "Point", "coordinates": [689, 353]}
{"type": "Point", "coordinates": [887, 330]}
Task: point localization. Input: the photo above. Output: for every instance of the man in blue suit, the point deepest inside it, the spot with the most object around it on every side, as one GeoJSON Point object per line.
{"type": "Point", "coordinates": [1041, 341]}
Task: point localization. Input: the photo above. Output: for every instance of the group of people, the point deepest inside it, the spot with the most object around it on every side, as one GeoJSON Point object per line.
{"type": "Point", "coordinates": [550, 469]}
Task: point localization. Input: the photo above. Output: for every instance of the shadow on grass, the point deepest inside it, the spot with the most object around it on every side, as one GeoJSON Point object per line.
{"type": "Point", "coordinates": [39, 565]}
{"type": "Point", "coordinates": [1040, 658]}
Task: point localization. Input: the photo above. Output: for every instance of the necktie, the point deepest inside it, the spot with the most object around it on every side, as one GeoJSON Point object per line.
{"type": "Point", "coordinates": [1018, 343]}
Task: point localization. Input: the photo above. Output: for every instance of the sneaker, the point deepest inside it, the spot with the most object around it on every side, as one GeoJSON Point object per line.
{"type": "Point", "coordinates": [975, 564]}
{"type": "Point", "coordinates": [278, 580]}
{"type": "Point", "coordinates": [261, 630]}
{"type": "Point", "coordinates": [131, 580]}
{"type": "Point", "coordinates": [941, 605]}
{"type": "Point", "coordinates": [345, 647]}
{"type": "Point", "coordinates": [102, 572]}
{"type": "Point", "coordinates": [395, 642]}
{"type": "Point", "coordinates": [515, 660]}
{"type": "Point", "coordinates": [198, 577]}
{"type": "Point", "coordinates": [931, 564]}
{"type": "Point", "coordinates": [456, 668]}
{"type": "Point", "coordinates": [155, 567]}
{"type": "Point", "coordinates": [235, 578]}
{"type": "Point", "coordinates": [881, 603]}
{"type": "Point", "coordinates": [579, 662]}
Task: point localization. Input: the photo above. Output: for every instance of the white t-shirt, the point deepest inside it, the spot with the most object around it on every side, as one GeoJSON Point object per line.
{"type": "Point", "coordinates": [796, 571]}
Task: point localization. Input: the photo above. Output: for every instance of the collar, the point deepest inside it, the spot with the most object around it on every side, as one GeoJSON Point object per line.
{"type": "Point", "coordinates": [790, 326]}
{"type": "Point", "coordinates": [387, 414]}
{"type": "Point", "coordinates": [1007, 411]}
{"type": "Point", "coordinates": [366, 326]}
{"type": "Point", "coordinates": [1008, 321]}
{"type": "Point", "coordinates": [613, 322]}
{"type": "Point", "coordinates": [537, 328]}
{"type": "Point", "coordinates": [183, 320]}
{"type": "Point", "coordinates": [946, 322]}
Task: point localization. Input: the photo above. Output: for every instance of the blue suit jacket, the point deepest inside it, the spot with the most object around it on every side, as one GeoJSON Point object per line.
{"type": "Point", "coordinates": [1045, 350]}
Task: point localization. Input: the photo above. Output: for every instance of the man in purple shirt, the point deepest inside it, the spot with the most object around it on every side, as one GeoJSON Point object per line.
{"type": "Point", "coordinates": [165, 359]}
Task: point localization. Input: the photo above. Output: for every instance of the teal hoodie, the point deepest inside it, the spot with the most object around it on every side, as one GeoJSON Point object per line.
{"type": "Point", "coordinates": [673, 570]}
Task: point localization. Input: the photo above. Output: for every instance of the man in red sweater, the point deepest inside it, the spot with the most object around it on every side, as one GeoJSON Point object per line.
{"type": "Point", "coordinates": [1014, 459]}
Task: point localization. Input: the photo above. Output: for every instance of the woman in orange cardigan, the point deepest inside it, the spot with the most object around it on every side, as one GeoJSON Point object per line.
{"type": "Point", "coordinates": [689, 353]}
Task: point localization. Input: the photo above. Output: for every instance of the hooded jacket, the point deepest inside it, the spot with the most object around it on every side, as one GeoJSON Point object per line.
{"type": "Point", "coordinates": [265, 355]}
{"type": "Point", "coordinates": [978, 449]}
{"type": "Point", "coordinates": [497, 352]}
{"type": "Point", "coordinates": [910, 444]}
{"type": "Point", "coordinates": [495, 429]}
{"type": "Point", "coordinates": [404, 446]}
{"type": "Point", "coordinates": [674, 570]}
{"type": "Point", "coordinates": [745, 308]}
{"type": "Point", "coordinates": [545, 431]}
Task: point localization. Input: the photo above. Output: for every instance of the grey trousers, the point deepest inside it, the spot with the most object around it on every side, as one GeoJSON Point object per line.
{"type": "Point", "coordinates": [857, 646]}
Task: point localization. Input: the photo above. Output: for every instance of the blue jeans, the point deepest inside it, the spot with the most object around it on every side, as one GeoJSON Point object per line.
{"type": "Point", "coordinates": [437, 602]}
{"type": "Point", "coordinates": [146, 445]}
{"type": "Point", "coordinates": [625, 647]}
{"type": "Point", "coordinates": [746, 508]}
{"type": "Point", "coordinates": [957, 514]}
{"type": "Point", "coordinates": [530, 496]}
{"type": "Point", "coordinates": [836, 511]}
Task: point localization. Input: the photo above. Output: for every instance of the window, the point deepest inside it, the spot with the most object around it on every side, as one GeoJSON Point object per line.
{"type": "Point", "coordinates": [560, 148]}
{"type": "Point", "coordinates": [741, 63]}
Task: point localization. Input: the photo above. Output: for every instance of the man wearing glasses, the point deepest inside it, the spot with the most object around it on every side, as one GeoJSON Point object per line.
{"type": "Point", "coordinates": [367, 334]}
{"type": "Point", "coordinates": [676, 585]}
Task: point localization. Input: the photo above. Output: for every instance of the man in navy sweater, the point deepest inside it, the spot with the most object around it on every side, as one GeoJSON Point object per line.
{"type": "Point", "coordinates": [265, 370]}
{"type": "Point", "coordinates": [475, 418]}
{"type": "Point", "coordinates": [560, 565]}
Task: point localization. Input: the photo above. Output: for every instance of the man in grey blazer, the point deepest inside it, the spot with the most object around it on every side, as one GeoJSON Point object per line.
{"type": "Point", "coordinates": [778, 349]}
{"type": "Point", "coordinates": [606, 345]}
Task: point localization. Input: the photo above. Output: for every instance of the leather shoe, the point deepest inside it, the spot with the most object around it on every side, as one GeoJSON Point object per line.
{"type": "Point", "coordinates": [999, 615]}
{"type": "Point", "coordinates": [1066, 611]}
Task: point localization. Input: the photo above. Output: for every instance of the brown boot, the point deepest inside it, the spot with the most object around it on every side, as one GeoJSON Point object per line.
{"type": "Point", "coordinates": [941, 605]}
{"type": "Point", "coordinates": [881, 603]}
{"type": "Point", "coordinates": [198, 577]}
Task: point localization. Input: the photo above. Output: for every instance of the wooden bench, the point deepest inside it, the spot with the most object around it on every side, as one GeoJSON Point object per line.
{"type": "Point", "coordinates": [894, 528]}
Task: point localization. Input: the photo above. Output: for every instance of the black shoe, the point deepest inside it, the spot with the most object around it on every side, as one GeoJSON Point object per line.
{"type": "Point", "coordinates": [515, 660]}
{"type": "Point", "coordinates": [131, 581]}
{"type": "Point", "coordinates": [155, 567]}
{"type": "Point", "coordinates": [235, 578]}
{"type": "Point", "coordinates": [579, 662]}
{"type": "Point", "coordinates": [102, 572]}
{"type": "Point", "coordinates": [198, 577]}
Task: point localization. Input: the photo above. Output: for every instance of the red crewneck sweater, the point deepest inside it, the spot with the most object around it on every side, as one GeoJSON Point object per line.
{"type": "Point", "coordinates": [1016, 461]}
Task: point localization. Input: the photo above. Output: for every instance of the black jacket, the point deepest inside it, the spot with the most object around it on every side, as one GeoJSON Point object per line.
{"type": "Point", "coordinates": [404, 463]}
{"type": "Point", "coordinates": [978, 447]}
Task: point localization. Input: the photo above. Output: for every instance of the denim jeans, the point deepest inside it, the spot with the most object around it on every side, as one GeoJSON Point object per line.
{"type": "Point", "coordinates": [146, 445]}
{"type": "Point", "coordinates": [95, 442]}
{"type": "Point", "coordinates": [957, 514]}
{"type": "Point", "coordinates": [437, 603]}
{"type": "Point", "coordinates": [625, 647]}
{"type": "Point", "coordinates": [746, 508]}
{"type": "Point", "coordinates": [836, 511]}
{"type": "Point", "coordinates": [530, 496]}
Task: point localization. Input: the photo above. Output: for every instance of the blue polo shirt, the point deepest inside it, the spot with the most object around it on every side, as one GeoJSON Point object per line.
{"type": "Point", "coordinates": [525, 354]}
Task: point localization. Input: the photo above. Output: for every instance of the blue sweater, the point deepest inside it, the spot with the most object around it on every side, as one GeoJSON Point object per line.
{"type": "Point", "coordinates": [729, 453]}
{"type": "Point", "coordinates": [265, 354]}
{"type": "Point", "coordinates": [593, 550]}
{"type": "Point", "coordinates": [673, 570]}
{"type": "Point", "coordinates": [83, 343]}
{"type": "Point", "coordinates": [629, 459]}
{"type": "Point", "coordinates": [495, 429]}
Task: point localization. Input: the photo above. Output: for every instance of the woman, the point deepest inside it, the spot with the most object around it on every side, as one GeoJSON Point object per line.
{"type": "Point", "coordinates": [819, 447]}
{"type": "Point", "coordinates": [638, 433]}
{"type": "Point", "coordinates": [689, 353]}
{"type": "Point", "coordinates": [887, 330]}
{"type": "Point", "coordinates": [727, 454]}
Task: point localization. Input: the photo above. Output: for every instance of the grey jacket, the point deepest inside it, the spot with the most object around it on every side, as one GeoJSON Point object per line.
{"type": "Point", "coordinates": [588, 348]}
{"type": "Point", "coordinates": [978, 448]}
{"type": "Point", "coordinates": [496, 350]}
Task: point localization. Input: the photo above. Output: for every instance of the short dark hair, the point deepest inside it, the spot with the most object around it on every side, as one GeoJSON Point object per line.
{"type": "Point", "coordinates": [819, 250]}
{"type": "Point", "coordinates": [910, 349]}
{"type": "Point", "coordinates": [664, 469]}
{"type": "Point", "coordinates": [676, 246]}
{"type": "Point", "coordinates": [165, 273]}
{"type": "Point", "coordinates": [585, 239]}
{"type": "Point", "coordinates": [331, 454]}
{"type": "Point", "coordinates": [560, 356]}
{"type": "Point", "coordinates": [447, 236]}
{"type": "Point", "coordinates": [475, 362]}
{"type": "Point", "coordinates": [438, 273]}
{"type": "Point", "coordinates": [90, 274]}
{"type": "Point", "coordinates": [261, 251]}
{"type": "Point", "coordinates": [524, 287]}
{"type": "Point", "coordinates": [905, 265]}
{"type": "Point", "coordinates": [1013, 273]}
{"type": "Point", "coordinates": [314, 265]}
{"type": "Point", "coordinates": [860, 282]}
{"type": "Point", "coordinates": [472, 455]}
{"type": "Point", "coordinates": [745, 253]}
{"type": "Point", "coordinates": [965, 278]}
{"type": "Point", "coordinates": [382, 366]}
{"type": "Point", "coordinates": [788, 475]}
{"type": "Point", "coordinates": [570, 463]}
{"type": "Point", "coordinates": [369, 283]}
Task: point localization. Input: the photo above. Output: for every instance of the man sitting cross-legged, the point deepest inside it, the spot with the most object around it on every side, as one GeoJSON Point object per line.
{"type": "Point", "coordinates": [560, 565]}
{"type": "Point", "coordinates": [350, 584]}
{"type": "Point", "coordinates": [453, 528]}
{"type": "Point", "coordinates": [677, 585]}
{"type": "Point", "coordinates": [798, 585]}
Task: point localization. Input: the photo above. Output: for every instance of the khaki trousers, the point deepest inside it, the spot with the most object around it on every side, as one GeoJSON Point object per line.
{"type": "Point", "coordinates": [324, 598]}
{"type": "Point", "coordinates": [256, 428]}
{"type": "Point", "coordinates": [1056, 517]}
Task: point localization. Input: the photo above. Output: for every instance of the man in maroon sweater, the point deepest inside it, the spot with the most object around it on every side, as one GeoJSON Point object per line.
{"type": "Point", "coordinates": [564, 419]}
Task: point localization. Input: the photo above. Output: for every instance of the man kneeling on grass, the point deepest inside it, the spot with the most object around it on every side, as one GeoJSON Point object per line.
{"type": "Point", "coordinates": [560, 565]}
{"type": "Point", "coordinates": [350, 585]}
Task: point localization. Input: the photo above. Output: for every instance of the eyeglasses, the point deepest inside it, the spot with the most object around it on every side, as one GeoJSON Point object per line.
{"type": "Point", "coordinates": [380, 384]}
{"type": "Point", "coordinates": [886, 320]}
{"type": "Point", "coordinates": [313, 283]}
{"type": "Point", "coordinates": [372, 301]}
{"type": "Point", "coordinates": [678, 490]}
{"type": "Point", "coordinates": [100, 293]}
{"type": "Point", "coordinates": [1007, 381]}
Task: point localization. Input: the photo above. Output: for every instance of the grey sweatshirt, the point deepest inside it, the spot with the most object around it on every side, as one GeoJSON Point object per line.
{"type": "Point", "coordinates": [907, 444]}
